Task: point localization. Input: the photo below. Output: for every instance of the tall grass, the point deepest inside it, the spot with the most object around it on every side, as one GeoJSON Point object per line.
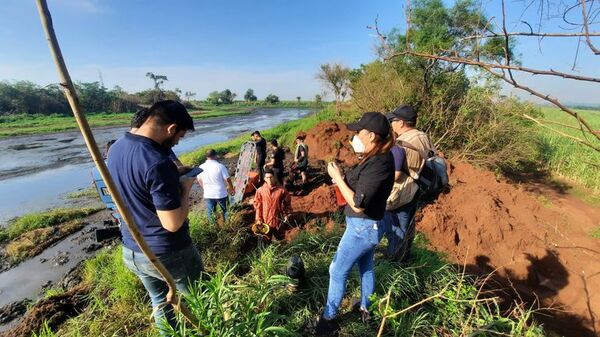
{"type": "Point", "coordinates": [565, 157]}
{"type": "Point", "coordinates": [119, 305]}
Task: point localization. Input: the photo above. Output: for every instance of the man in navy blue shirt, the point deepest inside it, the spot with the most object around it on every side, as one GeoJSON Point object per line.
{"type": "Point", "coordinates": [159, 201]}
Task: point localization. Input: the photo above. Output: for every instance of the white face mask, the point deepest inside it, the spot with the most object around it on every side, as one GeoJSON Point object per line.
{"type": "Point", "coordinates": [358, 145]}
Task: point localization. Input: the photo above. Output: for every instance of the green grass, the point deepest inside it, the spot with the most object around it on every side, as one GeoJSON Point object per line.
{"type": "Point", "coordinates": [89, 192]}
{"type": "Point", "coordinates": [596, 233]}
{"type": "Point", "coordinates": [566, 158]}
{"type": "Point", "coordinates": [33, 221]}
{"type": "Point", "coordinates": [118, 305]}
{"type": "Point", "coordinates": [257, 302]}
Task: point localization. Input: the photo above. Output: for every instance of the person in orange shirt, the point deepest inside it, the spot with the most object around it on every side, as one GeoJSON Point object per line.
{"type": "Point", "coordinates": [272, 202]}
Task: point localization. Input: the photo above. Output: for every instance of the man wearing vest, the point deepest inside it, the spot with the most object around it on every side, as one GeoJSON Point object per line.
{"type": "Point", "coordinates": [402, 202]}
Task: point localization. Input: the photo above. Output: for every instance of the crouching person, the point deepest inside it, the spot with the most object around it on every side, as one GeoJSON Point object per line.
{"type": "Point", "coordinates": [150, 185]}
{"type": "Point", "coordinates": [365, 188]}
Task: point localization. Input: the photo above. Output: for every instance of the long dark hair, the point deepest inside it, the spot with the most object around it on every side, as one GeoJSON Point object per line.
{"type": "Point", "coordinates": [382, 145]}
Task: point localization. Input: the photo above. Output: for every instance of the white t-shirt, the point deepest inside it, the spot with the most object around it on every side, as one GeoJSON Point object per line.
{"type": "Point", "coordinates": [213, 179]}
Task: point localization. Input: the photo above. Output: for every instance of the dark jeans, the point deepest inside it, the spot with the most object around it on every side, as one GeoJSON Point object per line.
{"type": "Point", "coordinates": [211, 207]}
{"type": "Point", "coordinates": [279, 174]}
{"type": "Point", "coordinates": [184, 265]}
{"type": "Point", "coordinates": [399, 227]}
{"type": "Point", "coordinates": [260, 165]}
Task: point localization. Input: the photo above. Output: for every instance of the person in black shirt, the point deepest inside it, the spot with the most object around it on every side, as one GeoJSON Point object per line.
{"type": "Point", "coordinates": [365, 188]}
{"type": "Point", "coordinates": [301, 161]}
{"type": "Point", "coordinates": [276, 160]}
{"type": "Point", "coordinates": [261, 155]}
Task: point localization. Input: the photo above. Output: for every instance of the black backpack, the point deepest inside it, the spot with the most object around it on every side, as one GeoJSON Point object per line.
{"type": "Point", "coordinates": [433, 177]}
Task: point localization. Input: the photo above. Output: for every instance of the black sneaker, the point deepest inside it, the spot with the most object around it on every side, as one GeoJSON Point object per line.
{"type": "Point", "coordinates": [365, 316]}
{"type": "Point", "coordinates": [326, 327]}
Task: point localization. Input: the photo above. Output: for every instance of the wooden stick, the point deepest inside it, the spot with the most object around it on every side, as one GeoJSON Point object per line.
{"type": "Point", "coordinates": [84, 127]}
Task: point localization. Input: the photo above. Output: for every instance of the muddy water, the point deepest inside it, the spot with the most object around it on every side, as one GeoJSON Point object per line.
{"type": "Point", "coordinates": [37, 171]}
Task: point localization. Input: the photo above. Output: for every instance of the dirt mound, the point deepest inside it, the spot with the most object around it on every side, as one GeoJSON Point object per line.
{"type": "Point", "coordinates": [319, 201]}
{"type": "Point", "coordinates": [53, 310]}
{"type": "Point", "coordinates": [328, 141]}
{"type": "Point", "coordinates": [541, 243]}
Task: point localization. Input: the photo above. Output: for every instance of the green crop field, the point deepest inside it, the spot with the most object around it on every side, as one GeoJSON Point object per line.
{"type": "Point", "coordinates": [565, 157]}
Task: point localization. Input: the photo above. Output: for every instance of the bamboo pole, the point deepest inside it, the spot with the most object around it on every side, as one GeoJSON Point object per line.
{"type": "Point", "coordinates": [84, 127]}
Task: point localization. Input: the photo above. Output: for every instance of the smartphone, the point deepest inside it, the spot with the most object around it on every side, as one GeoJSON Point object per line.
{"type": "Point", "coordinates": [193, 172]}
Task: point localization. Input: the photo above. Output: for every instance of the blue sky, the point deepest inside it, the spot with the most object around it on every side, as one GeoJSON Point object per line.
{"type": "Point", "coordinates": [270, 46]}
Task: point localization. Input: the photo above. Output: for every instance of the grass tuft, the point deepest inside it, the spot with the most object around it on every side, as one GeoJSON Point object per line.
{"type": "Point", "coordinates": [33, 221]}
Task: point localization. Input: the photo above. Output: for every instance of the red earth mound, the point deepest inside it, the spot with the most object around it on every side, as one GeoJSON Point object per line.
{"type": "Point", "coordinates": [542, 243]}
{"type": "Point", "coordinates": [328, 141]}
{"type": "Point", "coordinates": [319, 201]}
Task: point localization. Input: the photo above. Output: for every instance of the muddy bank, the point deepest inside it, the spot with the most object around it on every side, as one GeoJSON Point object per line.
{"type": "Point", "coordinates": [53, 311]}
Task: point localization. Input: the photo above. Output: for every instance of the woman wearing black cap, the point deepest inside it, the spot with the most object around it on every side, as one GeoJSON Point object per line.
{"type": "Point", "coordinates": [365, 188]}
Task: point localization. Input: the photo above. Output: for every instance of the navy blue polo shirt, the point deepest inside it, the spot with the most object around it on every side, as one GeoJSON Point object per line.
{"type": "Point", "coordinates": [148, 181]}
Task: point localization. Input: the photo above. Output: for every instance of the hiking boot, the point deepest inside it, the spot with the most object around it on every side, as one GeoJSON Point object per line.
{"type": "Point", "coordinates": [326, 327]}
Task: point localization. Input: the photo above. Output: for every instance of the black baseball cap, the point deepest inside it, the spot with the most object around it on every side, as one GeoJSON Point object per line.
{"type": "Point", "coordinates": [372, 121]}
{"type": "Point", "coordinates": [404, 112]}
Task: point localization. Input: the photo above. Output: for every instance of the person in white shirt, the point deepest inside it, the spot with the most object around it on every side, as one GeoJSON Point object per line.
{"type": "Point", "coordinates": [216, 183]}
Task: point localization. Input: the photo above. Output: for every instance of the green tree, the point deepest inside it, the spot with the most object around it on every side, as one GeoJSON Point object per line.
{"type": "Point", "coordinates": [188, 95]}
{"type": "Point", "coordinates": [157, 79]}
{"type": "Point", "coordinates": [227, 97]}
{"type": "Point", "coordinates": [249, 96]}
{"type": "Point", "coordinates": [318, 99]}
{"type": "Point", "coordinates": [272, 99]}
{"type": "Point", "coordinates": [214, 98]}
{"type": "Point", "coordinates": [298, 98]}
{"type": "Point", "coordinates": [337, 78]}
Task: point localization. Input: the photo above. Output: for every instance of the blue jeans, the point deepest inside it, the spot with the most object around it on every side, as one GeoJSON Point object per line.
{"type": "Point", "coordinates": [185, 266]}
{"type": "Point", "coordinates": [211, 207]}
{"type": "Point", "coordinates": [357, 246]}
{"type": "Point", "coordinates": [399, 230]}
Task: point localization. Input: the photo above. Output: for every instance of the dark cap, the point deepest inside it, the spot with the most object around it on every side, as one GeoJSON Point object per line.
{"type": "Point", "coordinates": [404, 112]}
{"type": "Point", "coordinates": [372, 121]}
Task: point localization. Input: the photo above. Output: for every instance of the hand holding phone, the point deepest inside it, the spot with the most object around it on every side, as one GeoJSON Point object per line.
{"type": "Point", "coordinates": [192, 173]}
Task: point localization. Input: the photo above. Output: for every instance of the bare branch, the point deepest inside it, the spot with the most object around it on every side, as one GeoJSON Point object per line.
{"type": "Point", "coordinates": [529, 34]}
{"type": "Point", "coordinates": [489, 68]}
{"type": "Point", "coordinates": [586, 29]}
{"type": "Point", "coordinates": [467, 61]}
{"type": "Point", "coordinates": [579, 140]}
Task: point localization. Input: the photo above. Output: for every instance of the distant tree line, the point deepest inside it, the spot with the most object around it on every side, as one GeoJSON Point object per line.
{"type": "Point", "coordinates": [24, 97]}
{"type": "Point", "coordinates": [228, 97]}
